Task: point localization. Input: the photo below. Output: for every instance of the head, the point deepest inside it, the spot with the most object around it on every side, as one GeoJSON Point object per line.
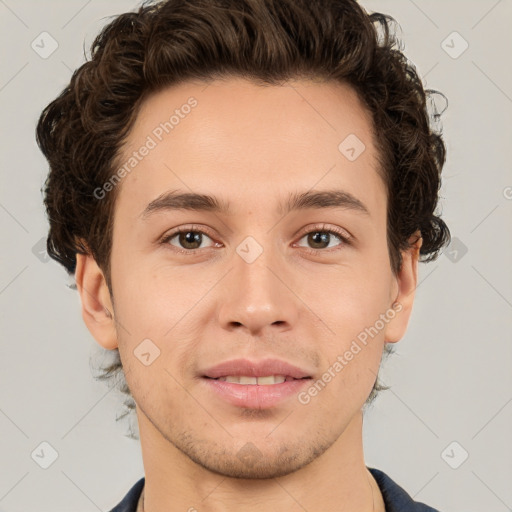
{"type": "Point", "coordinates": [270, 100]}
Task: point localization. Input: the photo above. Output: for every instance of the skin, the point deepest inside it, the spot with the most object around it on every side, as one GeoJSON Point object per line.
{"type": "Point", "coordinates": [251, 146]}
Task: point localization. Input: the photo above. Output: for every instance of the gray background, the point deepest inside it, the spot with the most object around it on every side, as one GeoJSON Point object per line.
{"type": "Point", "coordinates": [451, 376]}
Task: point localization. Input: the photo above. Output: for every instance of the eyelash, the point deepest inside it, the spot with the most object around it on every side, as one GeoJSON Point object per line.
{"type": "Point", "coordinates": [342, 235]}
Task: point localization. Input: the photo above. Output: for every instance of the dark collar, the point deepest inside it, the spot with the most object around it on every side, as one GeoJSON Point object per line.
{"type": "Point", "coordinates": [395, 498]}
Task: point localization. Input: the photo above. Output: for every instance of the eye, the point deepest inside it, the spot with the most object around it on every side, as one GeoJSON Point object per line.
{"type": "Point", "coordinates": [319, 239]}
{"type": "Point", "coordinates": [187, 239]}
{"type": "Point", "coordinates": [191, 239]}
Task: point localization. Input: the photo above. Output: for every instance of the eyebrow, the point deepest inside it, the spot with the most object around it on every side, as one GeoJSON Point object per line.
{"type": "Point", "coordinates": [175, 200]}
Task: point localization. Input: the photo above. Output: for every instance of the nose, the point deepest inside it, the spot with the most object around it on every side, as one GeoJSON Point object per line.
{"type": "Point", "coordinates": [258, 296]}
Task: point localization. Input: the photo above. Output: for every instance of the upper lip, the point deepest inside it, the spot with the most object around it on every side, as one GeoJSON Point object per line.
{"type": "Point", "coordinates": [263, 368]}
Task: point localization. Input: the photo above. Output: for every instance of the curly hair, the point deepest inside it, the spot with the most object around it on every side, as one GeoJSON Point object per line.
{"type": "Point", "coordinates": [168, 42]}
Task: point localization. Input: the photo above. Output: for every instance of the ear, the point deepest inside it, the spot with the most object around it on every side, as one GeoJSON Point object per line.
{"type": "Point", "coordinates": [406, 282]}
{"type": "Point", "coordinates": [97, 310]}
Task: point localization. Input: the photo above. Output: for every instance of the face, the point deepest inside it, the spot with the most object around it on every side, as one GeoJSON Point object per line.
{"type": "Point", "coordinates": [280, 279]}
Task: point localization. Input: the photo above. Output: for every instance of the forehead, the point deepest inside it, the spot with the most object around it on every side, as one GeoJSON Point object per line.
{"type": "Point", "coordinates": [233, 138]}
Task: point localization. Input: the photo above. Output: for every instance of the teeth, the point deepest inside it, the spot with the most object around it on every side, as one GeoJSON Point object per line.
{"type": "Point", "coordinates": [271, 379]}
{"type": "Point", "coordinates": [234, 379]}
{"type": "Point", "coordinates": [261, 381]}
{"type": "Point", "coordinates": [247, 380]}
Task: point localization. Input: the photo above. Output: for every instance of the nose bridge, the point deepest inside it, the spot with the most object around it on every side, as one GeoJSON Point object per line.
{"type": "Point", "coordinates": [255, 297]}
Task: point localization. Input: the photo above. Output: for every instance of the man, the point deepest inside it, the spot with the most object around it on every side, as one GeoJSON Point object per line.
{"type": "Point", "coordinates": [243, 189]}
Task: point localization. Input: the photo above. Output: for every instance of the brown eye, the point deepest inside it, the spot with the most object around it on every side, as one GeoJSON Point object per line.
{"type": "Point", "coordinates": [317, 240]}
{"type": "Point", "coordinates": [322, 239]}
{"type": "Point", "coordinates": [188, 239]}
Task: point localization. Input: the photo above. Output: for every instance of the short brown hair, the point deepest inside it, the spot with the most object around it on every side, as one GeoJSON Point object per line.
{"type": "Point", "coordinates": [268, 42]}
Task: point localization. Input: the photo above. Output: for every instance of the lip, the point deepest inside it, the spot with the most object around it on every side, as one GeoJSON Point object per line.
{"type": "Point", "coordinates": [255, 369]}
{"type": "Point", "coordinates": [254, 396]}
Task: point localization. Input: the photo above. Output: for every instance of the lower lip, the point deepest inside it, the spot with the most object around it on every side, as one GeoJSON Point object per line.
{"type": "Point", "coordinates": [254, 396]}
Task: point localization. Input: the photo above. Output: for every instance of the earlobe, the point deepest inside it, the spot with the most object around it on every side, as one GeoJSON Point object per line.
{"type": "Point", "coordinates": [97, 310]}
{"type": "Point", "coordinates": [407, 280]}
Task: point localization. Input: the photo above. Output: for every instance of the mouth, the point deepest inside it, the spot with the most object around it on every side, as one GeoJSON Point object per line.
{"type": "Point", "coordinates": [267, 371]}
{"type": "Point", "coordinates": [263, 384]}
{"type": "Point", "coordinates": [248, 380]}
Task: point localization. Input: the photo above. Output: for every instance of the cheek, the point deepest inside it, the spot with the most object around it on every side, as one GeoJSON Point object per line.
{"type": "Point", "coordinates": [353, 303]}
{"type": "Point", "coordinates": [160, 305]}
{"type": "Point", "coordinates": [145, 298]}
{"type": "Point", "coordinates": [354, 298]}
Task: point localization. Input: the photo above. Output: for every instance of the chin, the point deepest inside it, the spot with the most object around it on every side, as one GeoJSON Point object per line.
{"type": "Point", "coordinates": [233, 467]}
{"type": "Point", "coordinates": [260, 459]}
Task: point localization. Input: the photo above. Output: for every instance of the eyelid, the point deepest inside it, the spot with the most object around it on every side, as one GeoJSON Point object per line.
{"type": "Point", "coordinates": [342, 233]}
{"type": "Point", "coordinates": [184, 229]}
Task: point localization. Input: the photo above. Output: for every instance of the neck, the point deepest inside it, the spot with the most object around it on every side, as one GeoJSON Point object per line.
{"type": "Point", "coordinates": [337, 480]}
